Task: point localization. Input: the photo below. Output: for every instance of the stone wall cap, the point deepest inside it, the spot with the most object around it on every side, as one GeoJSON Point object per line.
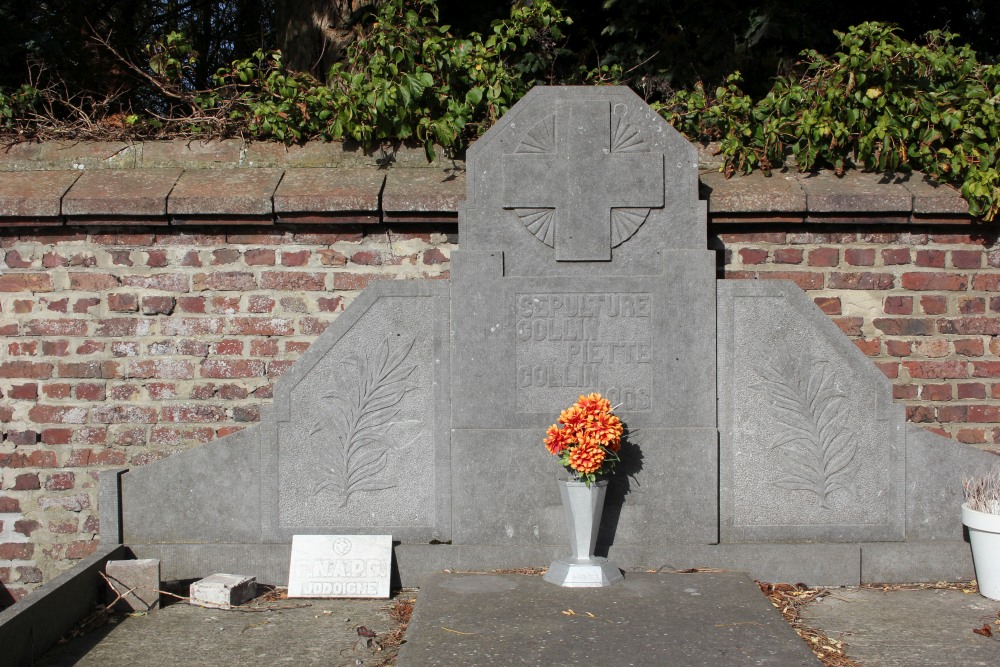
{"type": "Point", "coordinates": [423, 190]}
{"type": "Point", "coordinates": [240, 192]}
{"type": "Point", "coordinates": [324, 190]}
{"type": "Point", "coordinates": [754, 193]}
{"type": "Point", "coordinates": [31, 194]}
{"type": "Point", "coordinates": [120, 192]}
{"type": "Point", "coordinates": [854, 192]}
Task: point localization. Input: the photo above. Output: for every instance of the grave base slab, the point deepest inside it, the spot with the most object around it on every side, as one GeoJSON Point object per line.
{"type": "Point", "coordinates": [583, 573]}
{"type": "Point", "coordinates": [649, 619]}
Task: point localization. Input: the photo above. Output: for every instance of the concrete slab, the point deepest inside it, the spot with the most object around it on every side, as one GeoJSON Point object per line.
{"type": "Point", "coordinates": [319, 191]}
{"type": "Point", "coordinates": [906, 628]}
{"type": "Point", "coordinates": [34, 194]}
{"type": "Point", "coordinates": [234, 192]}
{"type": "Point", "coordinates": [649, 619]}
{"type": "Point", "coordinates": [127, 192]}
{"type": "Point", "coordinates": [754, 193]}
{"type": "Point", "coordinates": [855, 192]}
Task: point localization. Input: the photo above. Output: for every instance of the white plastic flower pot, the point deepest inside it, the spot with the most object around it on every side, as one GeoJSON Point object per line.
{"type": "Point", "coordinates": [984, 534]}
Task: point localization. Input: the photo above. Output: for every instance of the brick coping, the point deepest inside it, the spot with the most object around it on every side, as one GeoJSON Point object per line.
{"type": "Point", "coordinates": [233, 182]}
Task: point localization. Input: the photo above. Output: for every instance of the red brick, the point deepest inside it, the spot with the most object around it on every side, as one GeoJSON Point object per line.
{"type": "Point", "coordinates": [934, 348]}
{"type": "Point", "coordinates": [60, 481]}
{"type": "Point", "coordinates": [62, 527]}
{"type": "Point", "coordinates": [823, 257]}
{"type": "Point", "coordinates": [158, 305]}
{"type": "Point", "coordinates": [986, 369]}
{"type": "Point", "coordinates": [937, 369]}
{"type": "Point", "coordinates": [995, 304]}
{"type": "Point", "coordinates": [374, 258]}
{"type": "Point", "coordinates": [194, 348]}
{"type": "Point", "coordinates": [8, 504]}
{"type": "Point", "coordinates": [296, 347]}
{"type": "Point", "coordinates": [807, 280]}
{"type": "Point", "coordinates": [261, 326]}
{"type": "Point", "coordinates": [22, 438]}
{"type": "Point", "coordinates": [225, 281]}
{"type": "Point", "coordinates": [228, 430]}
{"type": "Point", "coordinates": [971, 390]}
{"type": "Point", "coordinates": [263, 347]}
{"type": "Point", "coordinates": [986, 282]}
{"type": "Point", "coordinates": [984, 413]}
{"type": "Point", "coordinates": [246, 413]}
{"type": "Point", "coordinates": [898, 348]}
{"type": "Point", "coordinates": [294, 258]}
{"type": "Point", "coordinates": [191, 258]}
{"type": "Point", "coordinates": [935, 392]}
{"type": "Point", "coordinates": [122, 327]}
{"type": "Point", "coordinates": [851, 326]}
{"type": "Point", "coordinates": [966, 259]}
{"type": "Point", "coordinates": [935, 281]}
{"type": "Point", "coordinates": [277, 368]}
{"type": "Point", "coordinates": [232, 368]}
{"type": "Point", "coordinates": [293, 280]}
{"type": "Point", "coordinates": [57, 414]}
{"type": "Point", "coordinates": [56, 328]}
{"type": "Point", "coordinates": [904, 326]}
{"type": "Point", "coordinates": [26, 482]}
{"type": "Point", "coordinates": [123, 414]}
{"type": "Point", "coordinates": [166, 282]}
{"type": "Point", "coordinates": [895, 256]}
{"type": "Point", "coordinates": [898, 305]}
{"type": "Point", "coordinates": [59, 306]}
{"type": "Point", "coordinates": [121, 257]}
{"type": "Point", "coordinates": [224, 305]}
{"type": "Point", "coordinates": [90, 347]}
{"type": "Point", "coordinates": [232, 392]}
{"type": "Point", "coordinates": [81, 549]}
{"type": "Point", "coordinates": [123, 302]}
{"type": "Point", "coordinates": [87, 391]}
{"type": "Point", "coordinates": [860, 256]}
{"type": "Point", "coordinates": [971, 436]}
{"type": "Point", "coordinates": [971, 305]}
{"type": "Point", "coordinates": [24, 392]}
{"type": "Point", "coordinates": [224, 256]}
{"type": "Point", "coordinates": [190, 240]}
{"type": "Point", "coordinates": [187, 413]}
{"type": "Point", "coordinates": [259, 257]}
{"type": "Point", "coordinates": [934, 305]}
{"type": "Point", "coordinates": [26, 526]}
{"type": "Point", "coordinates": [952, 413]}
{"type": "Point", "coordinates": [970, 326]}
{"type": "Point", "coordinates": [293, 304]}
{"type": "Point", "coordinates": [156, 258]}
{"type": "Point", "coordinates": [58, 390]}
{"type": "Point", "coordinates": [138, 239]}
{"type": "Point", "coordinates": [260, 304]}
{"type": "Point", "coordinates": [869, 346]}
{"type": "Point", "coordinates": [312, 326]}
{"type": "Point", "coordinates": [35, 459]}
{"type": "Point", "coordinates": [433, 256]}
{"type": "Point", "coordinates": [788, 256]}
{"type": "Point", "coordinates": [191, 304]}
{"type": "Point", "coordinates": [757, 237]}
{"type": "Point", "coordinates": [82, 369]}
{"type": "Point", "coordinates": [16, 550]}
{"type": "Point", "coordinates": [23, 348]}
{"type": "Point", "coordinates": [864, 281]}
{"type": "Point", "coordinates": [331, 304]}
{"type": "Point", "coordinates": [57, 436]}
{"type": "Point", "coordinates": [931, 258]}
{"type": "Point", "coordinates": [329, 257]}
{"type": "Point", "coordinates": [83, 306]}
{"type": "Point", "coordinates": [14, 260]}
{"type": "Point", "coordinates": [25, 282]}
{"type": "Point", "coordinates": [92, 282]}
{"type": "Point", "coordinates": [904, 392]}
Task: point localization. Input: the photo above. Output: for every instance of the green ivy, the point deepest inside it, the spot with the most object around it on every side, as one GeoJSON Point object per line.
{"type": "Point", "coordinates": [879, 102]}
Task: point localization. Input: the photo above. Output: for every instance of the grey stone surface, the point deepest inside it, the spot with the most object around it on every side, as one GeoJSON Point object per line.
{"type": "Point", "coordinates": [422, 190]}
{"type": "Point", "coordinates": [134, 584]}
{"type": "Point", "coordinates": [754, 193]}
{"type": "Point", "coordinates": [904, 562]}
{"type": "Point", "coordinates": [111, 192]}
{"type": "Point", "coordinates": [191, 153]}
{"type": "Point", "coordinates": [855, 192]}
{"type": "Point", "coordinates": [649, 619]}
{"type": "Point", "coordinates": [374, 387]}
{"type": "Point", "coordinates": [223, 591]}
{"type": "Point", "coordinates": [935, 199]}
{"type": "Point", "coordinates": [220, 192]}
{"type": "Point", "coordinates": [812, 447]}
{"type": "Point", "coordinates": [318, 191]}
{"type": "Point", "coordinates": [909, 628]}
{"type": "Point", "coordinates": [30, 626]}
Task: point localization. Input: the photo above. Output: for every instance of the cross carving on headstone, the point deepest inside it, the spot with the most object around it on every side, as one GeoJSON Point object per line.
{"type": "Point", "coordinates": [571, 165]}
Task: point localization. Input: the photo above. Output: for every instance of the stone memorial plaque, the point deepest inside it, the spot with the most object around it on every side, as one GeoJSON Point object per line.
{"type": "Point", "coordinates": [340, 566]}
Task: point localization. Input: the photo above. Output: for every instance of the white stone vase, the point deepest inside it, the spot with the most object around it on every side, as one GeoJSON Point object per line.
{"type": "Point", "coordinates": [984, 534]}
{"type": "Point", "coordinates": [583, 507]}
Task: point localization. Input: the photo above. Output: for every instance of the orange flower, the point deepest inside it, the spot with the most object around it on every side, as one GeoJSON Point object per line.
{"type": "Point", "coordinates": [586, 458]}
{"type": "Point", "coordinates": [573, 416]}
{"type": "Point", "coordinates": [606, 429]}
{"type": "Point", "coordinates": [593, 404]}
{"type": "Point", "coordinates": [557, 439]}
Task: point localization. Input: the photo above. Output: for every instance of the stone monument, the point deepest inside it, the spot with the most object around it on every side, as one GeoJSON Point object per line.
{"type": "Point", "coordinates": [758, 437]}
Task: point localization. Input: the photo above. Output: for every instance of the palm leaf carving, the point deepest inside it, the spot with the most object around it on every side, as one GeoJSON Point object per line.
{"type": "Point", "coordinates": [817, 445]}
{"type": "Point", "coordinates": [362, 414]}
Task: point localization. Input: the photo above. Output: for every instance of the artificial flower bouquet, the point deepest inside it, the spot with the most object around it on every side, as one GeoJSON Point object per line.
{"type": "Point", "coordinates": [587, 438]}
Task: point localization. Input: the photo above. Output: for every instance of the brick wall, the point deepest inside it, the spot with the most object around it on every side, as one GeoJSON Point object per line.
{"type": "Point", "coordinates": [923, 303]}
{"type": "Point", "coordinates": [144, 310]}
{"type": "Point", "coordinates": [121, 347]}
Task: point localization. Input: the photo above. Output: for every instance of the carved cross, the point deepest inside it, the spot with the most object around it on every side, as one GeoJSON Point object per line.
{"type": "Point", "coordinates": [581, 175]}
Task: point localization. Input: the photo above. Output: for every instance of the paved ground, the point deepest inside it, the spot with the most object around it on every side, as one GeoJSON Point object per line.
{"type": "Point", "coordinates": [924, 627]}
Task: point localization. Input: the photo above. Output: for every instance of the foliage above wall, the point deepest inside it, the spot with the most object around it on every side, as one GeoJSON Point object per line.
{"type": "Point", "coordinates": [880, 101]}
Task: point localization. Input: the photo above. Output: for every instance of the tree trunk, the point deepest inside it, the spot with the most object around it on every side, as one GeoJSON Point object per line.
{"type": "Point", "coordinates": [315, 34]}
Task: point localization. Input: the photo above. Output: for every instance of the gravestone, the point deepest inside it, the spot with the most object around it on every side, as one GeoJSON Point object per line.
{"type": "Point", "coordinates": [758, 437]}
